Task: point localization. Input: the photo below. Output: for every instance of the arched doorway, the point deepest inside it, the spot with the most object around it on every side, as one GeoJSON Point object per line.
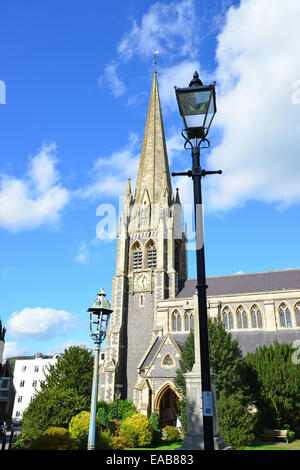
{"type": "Point", "coordinates": [167, 406]}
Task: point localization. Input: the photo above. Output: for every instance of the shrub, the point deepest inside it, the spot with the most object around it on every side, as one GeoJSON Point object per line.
{"type": "Point", "coordinates": [290, 436]}
{"type": "Point", "coordinates": [79, 425]}
{"type": "Point", "coordinates": [128, 438]}
{"type": "Point", "coordinates": [128, 413]}
{"type": "Point", "coordinates": [126, 409]}
{"type": "Point", "coordinates": [138, 429]}
{"type": "Point", "coordinates": [54, 439]}
{"type": "Point", "coordinates": [237, 425]}
{"type": "Point", "coordinates": [109, 411]}
{"type": "Point", "coordinates": [118, 442]}
{"type": "Point", "coordinates": [44, 411]}
{"type": "Point", "coordinates": [114, 426]}
{"type": "Point", "coordinates": [156, 426]}
{"type": "Point", "coordinates": [171, 434]}
{"type": "Point", "coordinates": [102, 415]}
{"type": "Point", "coordinates": [104, 441]}
{"type": "Point", "coordinates": [79, 430]}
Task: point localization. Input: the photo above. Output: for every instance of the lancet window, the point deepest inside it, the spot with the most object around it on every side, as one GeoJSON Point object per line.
{"type": "Point", "coordinates": [242, 319]}
{"type": "Point", "coordinates": [256, 317]}
{"type": "Point", "coordinates": [151, 255]}
{"type": "Point", "coordinates": [297, 313]}
{"type": "Point", "coordinates": [188, 321]}
{"type": "Point", "coordinates": [227, 318]}
{"type": "Point", "coordinates": [285, 316]}
{"type": "Point", "coordinates": [137, 257]}
{"type": "Point", "coordinates": [176, 321]}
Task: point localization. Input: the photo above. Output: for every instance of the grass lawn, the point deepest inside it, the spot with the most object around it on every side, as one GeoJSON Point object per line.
{"type": "Point", "coordinates": [276, 446]}
{"type": "Point", "coordinates": [263, 446]}
{"type": "Point", "coordinates": [162, 446]}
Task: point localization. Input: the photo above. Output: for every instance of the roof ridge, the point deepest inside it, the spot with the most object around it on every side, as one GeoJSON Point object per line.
{"type": "Point", "coordinates": [247, 274]}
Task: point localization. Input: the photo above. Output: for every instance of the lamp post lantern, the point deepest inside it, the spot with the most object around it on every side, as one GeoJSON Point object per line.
{"type": "Point", "coordinates": [197, 106]}
{"type": "Point", "coordinates": [99, 318]}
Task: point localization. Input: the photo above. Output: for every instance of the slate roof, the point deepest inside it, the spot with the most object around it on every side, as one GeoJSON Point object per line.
{"type": "Point", "coordinates": [250, 340]}
{"type": "Point", "coordinates": [245, 283]}
{"type": "Point", "coordinates": [180, 339]}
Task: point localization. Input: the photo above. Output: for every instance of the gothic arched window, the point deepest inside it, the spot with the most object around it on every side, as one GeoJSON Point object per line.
{"type": "Point", "coordinates": [176, 321]}
{"type": "Point", "coordinates": [297, 313]}
{"type": "Point", "coordinates": [256, 318]}
{"type": "Point", "coordinates": [285, 316]}
{"type": "Point", "coordinates": [242, 319]}
{"type": "Point", "coordinates": [137, 257]}
{"type": "Point", "coordinates": [168, 361]}
{"type": "Point", "coordinates": [151, 255]}
{"type": "Point", "coordinates": [227, 318]}
{"type": "Point", "coordinates": [188, 321]}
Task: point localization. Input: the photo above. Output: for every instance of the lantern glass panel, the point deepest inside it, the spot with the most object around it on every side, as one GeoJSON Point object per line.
{"type": "Point", "coordinates": [194, 106]}
{"type": "Point", "coordinates": [211, 112]}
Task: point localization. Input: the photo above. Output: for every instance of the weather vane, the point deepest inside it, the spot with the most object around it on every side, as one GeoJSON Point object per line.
{"type": "Point", "coordinates": [155, 54]}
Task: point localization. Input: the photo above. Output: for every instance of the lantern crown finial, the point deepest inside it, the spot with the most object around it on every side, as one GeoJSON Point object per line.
{"type": "Point", "coordinates": [196, 80]}
{"type": "Point", "coordinates": [101, 302]}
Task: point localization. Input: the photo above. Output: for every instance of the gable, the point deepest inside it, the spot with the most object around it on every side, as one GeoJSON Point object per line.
{"type": "Point", "coordinates": [163, 359]}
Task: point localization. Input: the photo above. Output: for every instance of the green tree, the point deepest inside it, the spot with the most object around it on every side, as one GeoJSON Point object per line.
{"type": "Point", "coordinates": [156, 426]}
{"type": "Point", "coordinates": [2, 331]}
{"type": "Point", "coordinates": [73, 370]}
{"type": "Point", "coordinates": [276, 378]}
{"type": "Point", "coordinates": [237, 425]}
{"type": "Point", "coordinates": [53, 407]}
{"type": "Point", "coordinates": [65, 392]}
{"type": "Point", "coordinates": [226, 363]}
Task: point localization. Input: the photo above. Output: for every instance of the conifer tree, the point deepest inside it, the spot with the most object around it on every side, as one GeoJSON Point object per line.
{"type": "Point", "coordinates": [276, 378]}
{"type": "Point", "coordinates": [226, 363]}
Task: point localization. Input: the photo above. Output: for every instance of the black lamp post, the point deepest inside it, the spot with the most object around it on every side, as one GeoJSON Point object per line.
{"type": "Point", "coordinates": [99, 318]}
{"type": "Point", "coordinates": [197, 106]}
{"type": "Point", "coordinates": [118, 396]}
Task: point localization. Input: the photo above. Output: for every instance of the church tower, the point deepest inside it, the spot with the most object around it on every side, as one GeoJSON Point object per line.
{"type": "Point", "coordinates": [151, 260]}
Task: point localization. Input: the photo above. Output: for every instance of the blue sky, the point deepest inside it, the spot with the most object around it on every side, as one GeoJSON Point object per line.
{"type": "Point", "coordinates": [77, 79]}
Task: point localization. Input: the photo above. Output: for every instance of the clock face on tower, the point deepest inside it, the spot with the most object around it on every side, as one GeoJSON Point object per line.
{"type": "Point", "coordinates": [142, 282]}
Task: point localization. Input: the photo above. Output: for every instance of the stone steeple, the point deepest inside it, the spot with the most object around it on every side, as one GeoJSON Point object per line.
{"type": "Point", "coordinates": [151, 261]}
{"type": "Point", "coordinates": [154, 173]}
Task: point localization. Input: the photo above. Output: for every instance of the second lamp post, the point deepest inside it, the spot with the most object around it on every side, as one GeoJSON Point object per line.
{"type": "Point", "coordinates": [99, 318]}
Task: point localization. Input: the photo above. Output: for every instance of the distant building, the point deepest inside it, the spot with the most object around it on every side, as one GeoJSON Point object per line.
{"type": "Point", "coordinates": [28, 375]}
{"type": "Point", "coordinates": [7, 389]}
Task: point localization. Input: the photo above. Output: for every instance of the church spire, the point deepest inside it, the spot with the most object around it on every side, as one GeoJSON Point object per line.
{"type": "Point", "coordinates": [154, 160]}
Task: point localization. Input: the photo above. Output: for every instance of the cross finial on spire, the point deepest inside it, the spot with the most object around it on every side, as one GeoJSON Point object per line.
{"type": "Point", "coordinates": [155, 54]}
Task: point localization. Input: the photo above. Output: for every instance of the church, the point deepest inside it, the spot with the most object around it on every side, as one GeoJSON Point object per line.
{"type": "Point", "coordinates": [154, 303]}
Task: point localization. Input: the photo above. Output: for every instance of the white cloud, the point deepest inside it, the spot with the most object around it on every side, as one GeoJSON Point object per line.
{"type": "Point", "coordinates": [60, 348]}
{"type": "Point", "coordinates": [258, 64]}
{"type": "Point", "coordinates": [172, 29]}
{"type": "Point", "coordinates": [159, 29]}
{"type": "Point", "coordinates": [110, 174]}
{"type": "Point", "coordinates": [41, 323]}
{"type": "Point", "coordinates": [12, 349]}
{"type": "Point", "coordinates": [36, 199]}
{"type": "Point", "coordinates": [111, 78]}
{"type": "Point", "coordinates": [83, 254]}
